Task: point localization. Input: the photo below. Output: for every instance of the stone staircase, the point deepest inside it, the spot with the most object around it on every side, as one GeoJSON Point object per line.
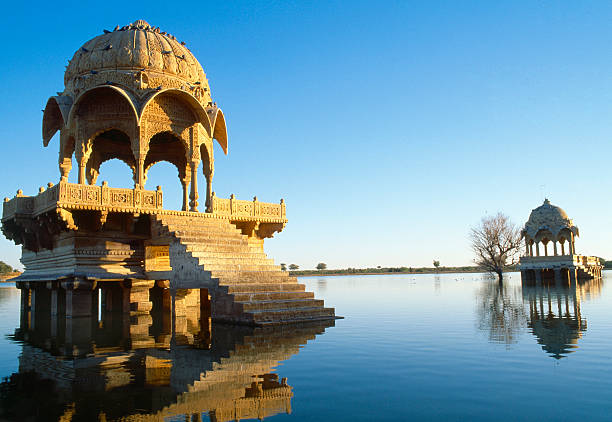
{"type": "Point", "coordinates": [245, 285]}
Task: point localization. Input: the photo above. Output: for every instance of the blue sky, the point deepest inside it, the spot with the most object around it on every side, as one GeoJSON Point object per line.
{"type": "Point", "coordinates": [389, 128]}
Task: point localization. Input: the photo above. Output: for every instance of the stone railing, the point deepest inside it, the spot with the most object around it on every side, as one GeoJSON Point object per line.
{"type": "Point", "coordinates": [573, 259]}
{"type": "Point", "coordinates": [247, 210]}
{"type": "Point", "coordinates": [587, 261]}
{"type": "Point", "coordinates": [77, 196]}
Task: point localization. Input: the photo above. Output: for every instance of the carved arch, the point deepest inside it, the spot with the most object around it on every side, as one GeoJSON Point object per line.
{"type": "Point", "coordinates": [544, 234]}
{"type": "Point", "coordinates": [55, 116]}
{"type": "Point", "coordinates": [167, 146]}
{"type": "Point", "coordinates": [108, 144]}
{"type": "Point", "coordinates": [194, 105]}
{"type": "Point", "coordinates": [85, 94]}
{"type": "Point", "coordinates": [220, 129]}
{"type": "Point", "coordinates": [208, 162]}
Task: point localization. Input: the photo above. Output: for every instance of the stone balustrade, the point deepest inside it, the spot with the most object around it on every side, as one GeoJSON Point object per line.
{"type": "Point", "coordinates": [80, 196]}
{"type": "Point", "coordinates": [74, 196]}
{"type": "Point", "coordinates": [237, 209]}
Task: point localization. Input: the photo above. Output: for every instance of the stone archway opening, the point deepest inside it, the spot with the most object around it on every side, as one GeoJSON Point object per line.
{"type": "Point", "coordinates": [166, 159]}
{"type": "Point", "coordinates": [112, 150]}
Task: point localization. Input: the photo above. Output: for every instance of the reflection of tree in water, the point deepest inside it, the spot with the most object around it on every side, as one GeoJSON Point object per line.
{"type": "Point", "coordinates": [500, 312]}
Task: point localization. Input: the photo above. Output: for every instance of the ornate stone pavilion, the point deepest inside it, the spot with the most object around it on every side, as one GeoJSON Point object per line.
{"type": "Point", "coordinates": [139, 95]}
{"type": "Point", "coordinates": [550, 251]}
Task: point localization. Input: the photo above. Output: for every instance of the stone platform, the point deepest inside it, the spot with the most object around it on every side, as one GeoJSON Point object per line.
{"type": "Point", "coordinates": [81, 241]}
{"type": "Point", "coordinates": [559, 269]}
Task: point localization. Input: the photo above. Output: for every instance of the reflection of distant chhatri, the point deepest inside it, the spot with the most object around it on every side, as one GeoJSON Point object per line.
{"type": "Point", "coordinates": [550, 224]}
{"type": "Point", "coordinates": [555, 317]}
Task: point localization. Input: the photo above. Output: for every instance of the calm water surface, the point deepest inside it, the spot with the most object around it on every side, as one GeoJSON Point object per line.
{"type": "Point", "coordinates": [412, 347]}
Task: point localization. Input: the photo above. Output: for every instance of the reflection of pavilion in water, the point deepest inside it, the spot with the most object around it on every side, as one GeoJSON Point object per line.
{"type": "Point", "coordinates": [554, 315]}
{"type": "Point", "coordinates": [153, 365]}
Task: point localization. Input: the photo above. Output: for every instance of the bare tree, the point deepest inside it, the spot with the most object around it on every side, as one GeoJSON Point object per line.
{"type": "Point", "coordinates": [496, 241]}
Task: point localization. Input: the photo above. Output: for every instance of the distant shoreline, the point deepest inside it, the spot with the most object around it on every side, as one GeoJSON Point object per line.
{"type": "Point", "coordinates": [389, 271]}
{"type": "Point", "coordinates": [4, 278]}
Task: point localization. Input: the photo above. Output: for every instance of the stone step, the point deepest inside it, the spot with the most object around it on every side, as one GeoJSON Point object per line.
{"type": "Point", "coordinates": [266, 295]}
{"type": "Point", "coordinates": [197, 230]}
{"type": "Point", "coordinates": [258, 296]}
{"type": "Point", "coordinates": [204, 235]}
{"type": "Point", "coordinates": [205, 251]}
{"type": "Point", "coordinates": [278, 316]}
{"type": "Point", "coordinates": [221, 249]}
{"type": "Point", "coordinates": [237, 269]}
{"type": "Point", "coordinates": [287, 304]}
{"type": "Point", "coordinates": [250, 277]}
{"type": "Point", "coordinates": [231, 259]}
{"type": "Point", "coordinates": [186, 240]}
{"type": "Point", "coordinates": [263, 287]}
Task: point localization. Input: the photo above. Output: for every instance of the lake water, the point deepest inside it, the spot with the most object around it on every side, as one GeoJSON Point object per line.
{"type": "Point", "coordinates": [411, 347]}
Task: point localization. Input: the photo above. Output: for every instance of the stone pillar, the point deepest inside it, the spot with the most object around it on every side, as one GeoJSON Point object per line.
{"type": "Point", "coordinates": [79, 297]}
{"type": "Point", "coordinates": [136, 296]}
{"type": "Point", "coordinates": [555, 248]}
{"type": "Point", "coordinates": [25, 308]}
{"type": "Point", "coordinates": [545, 249]}
{"type": "Point", "coordinates": [79, 313]}
{"type": "Point", "coordinates": [193, 196]}
{"type": "Point", "coordinates": [65, 165]}
{"type": "Point", "coordinates": [161, 327]}
{"type": "Point", "coordinates": [40, 306]}
{"type": "Point", "coordinates": [185, 182]}
{"type": "Point", "coordinates": [538, 277]}
{"type": "Point", "coordinates": [537, 245]}
{"type": "Point", "coordinates": [526, 247]}
{"type": "Point", "coordinates": [54, 287]}
{"type": "Point", "coordinates": [209, 191]}
{"type": "Point", "coordinates": [82, 152]}
{"type": "Point", "coordinates": [573, 276]}
{"type": "Point", "coordinates": [186, 310]}
{"type": "Point", "coordinates": [140, 180]}
{"type": "Point", "coordinates": [562, 248]}
{"type": "Point", "coordinates": [137, 307]}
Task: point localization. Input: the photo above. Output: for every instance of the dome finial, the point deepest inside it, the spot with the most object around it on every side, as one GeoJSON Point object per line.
{"type": "Point", "coordinates": [546, 201]}
{"type": "Point", "coordinates": [141, 23]}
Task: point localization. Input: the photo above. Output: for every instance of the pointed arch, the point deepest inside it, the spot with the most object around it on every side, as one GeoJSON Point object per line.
{"type": "Point", "coordinates": [220, 129]}
{"type": "Point", "coordinates": [189, 99]}
{"type": "Point", "coordinates": [108, 144]}
{"type": "Point", "coordinates": [86, 94]}
{"type": "Point", "coordinates": [55, 116]}
{"type": "Point", "coordinates": [167, 146]}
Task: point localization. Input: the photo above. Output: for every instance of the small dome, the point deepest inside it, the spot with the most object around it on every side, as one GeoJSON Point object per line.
{"type": "Point", "coordinates": [138, 47]}
{"type": "Point", "coordinates": [548, 217]}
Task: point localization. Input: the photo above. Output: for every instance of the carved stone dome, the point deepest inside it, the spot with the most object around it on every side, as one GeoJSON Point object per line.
{"type": "Point", "coordinates": [122, 55]}
{"type": "Point", "coordinates": [548, 217]}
